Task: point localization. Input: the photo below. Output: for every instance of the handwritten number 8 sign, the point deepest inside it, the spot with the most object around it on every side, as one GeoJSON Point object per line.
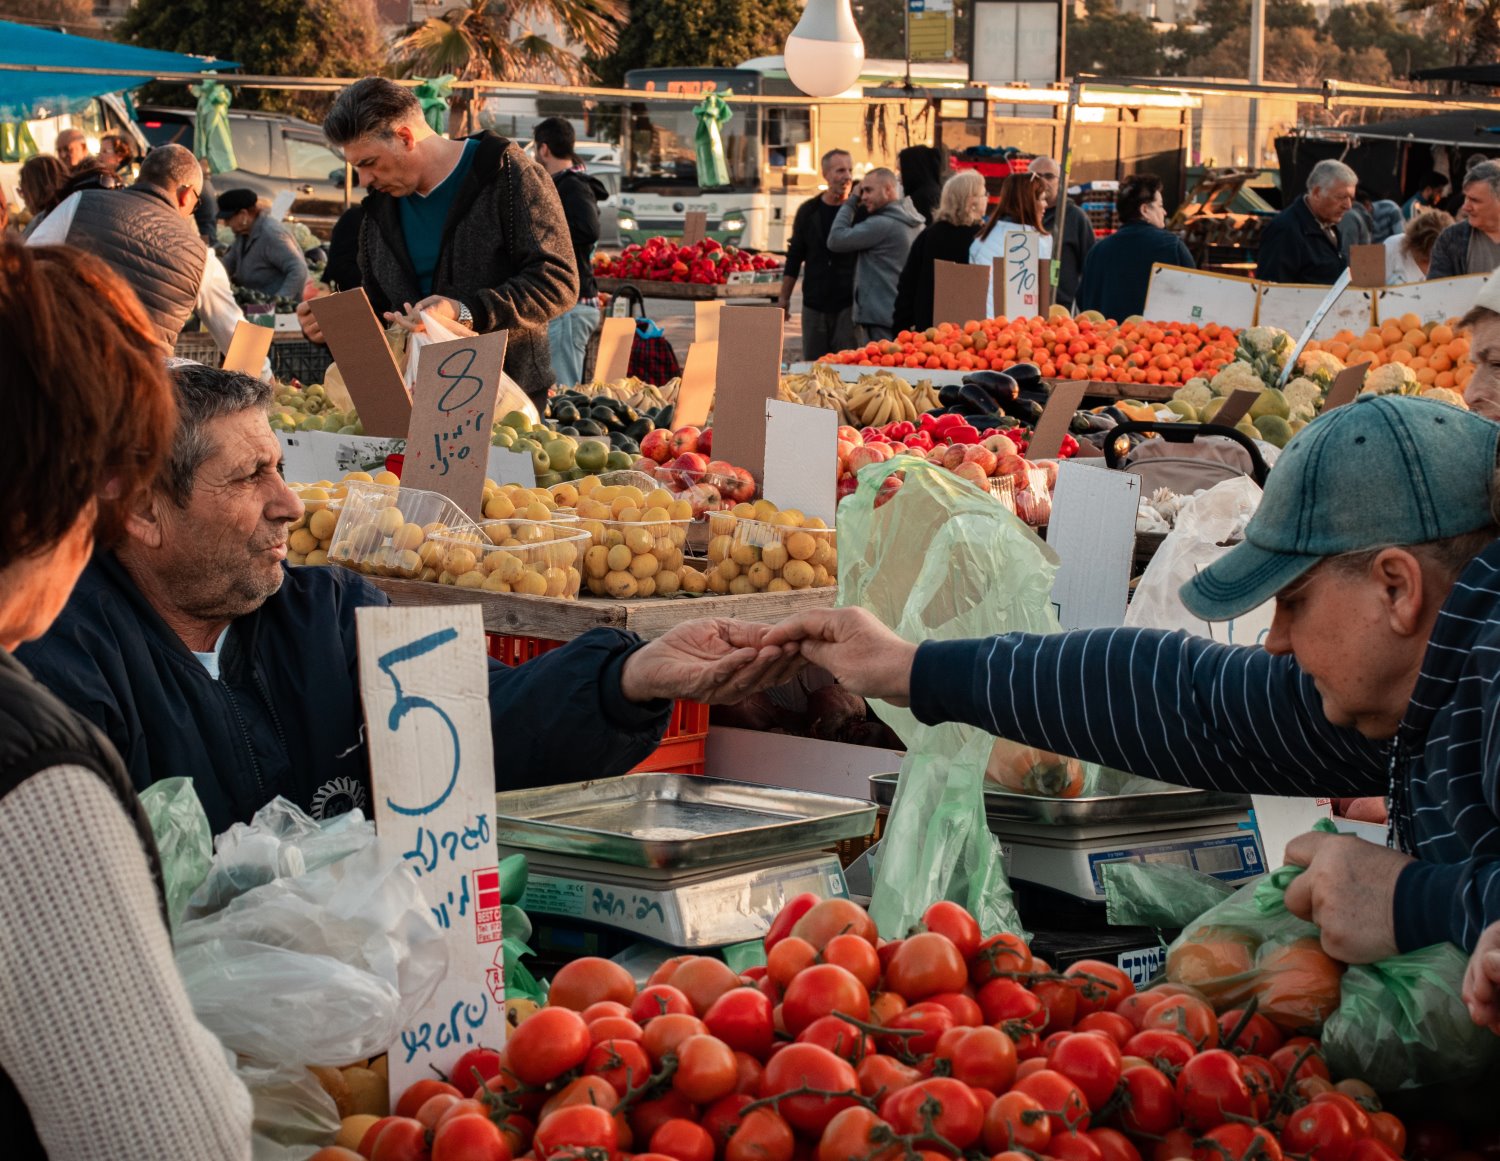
{"type": "Point", "coordinates": [447, 404]}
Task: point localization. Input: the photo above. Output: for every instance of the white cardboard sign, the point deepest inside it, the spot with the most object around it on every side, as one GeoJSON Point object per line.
{"type": "Point", "coordinates": [1200, 297]}
{"type": "Point", "coordinates": [1092, 530]}
{"type": "Point", "coordinates": [801, 450]}
{"type": "Point", "coordinates": [1020, 295]}
{"type": "Point", "coordinates": [1435, 301]}
{"type": "Point", "coordinates": [423, 680]}
{"type": "Point", "coordinates": [310, 456]}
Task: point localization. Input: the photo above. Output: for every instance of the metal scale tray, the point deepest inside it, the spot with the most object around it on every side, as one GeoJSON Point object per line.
{"type": "Point", "coordinates": [1166, 804]}
{"type": "Point", "coordinates": [676, 820]}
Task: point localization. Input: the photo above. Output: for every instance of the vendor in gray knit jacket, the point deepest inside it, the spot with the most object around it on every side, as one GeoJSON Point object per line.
{"type": "Point", "coordinates": [1472, 246]}
{"type": "Point", "coordinates": [881, 242]}
{"type": "Point", "coordinates": [469, 230]}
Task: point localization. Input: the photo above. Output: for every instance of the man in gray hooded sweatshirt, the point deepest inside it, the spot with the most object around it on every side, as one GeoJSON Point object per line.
{"type": "Point", "coordinates": [881, 242]}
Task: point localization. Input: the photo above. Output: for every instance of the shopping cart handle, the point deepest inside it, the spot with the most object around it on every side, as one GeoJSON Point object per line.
{"type": "Point", "coordinates": [1114, 456]}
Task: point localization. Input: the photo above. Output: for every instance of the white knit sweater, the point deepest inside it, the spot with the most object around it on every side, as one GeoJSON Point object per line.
{"type": "Point", "coordinates": [95, 1028]}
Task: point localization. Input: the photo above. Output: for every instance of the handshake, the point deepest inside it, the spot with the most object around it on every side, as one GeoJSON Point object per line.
{"type": "Point", "coordinates": [719, 660]}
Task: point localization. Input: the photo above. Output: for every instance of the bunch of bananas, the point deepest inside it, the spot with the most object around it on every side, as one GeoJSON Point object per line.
{"type": "Point", "coordinates": [881, 399]}
{"type": "Point", "coordinates": [820, 387]}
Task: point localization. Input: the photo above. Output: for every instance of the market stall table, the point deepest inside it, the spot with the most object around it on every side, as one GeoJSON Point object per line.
{"type": "Point", "coordinates": [692, 291]}
{"type": "Point", "coordinates": [555, 619]}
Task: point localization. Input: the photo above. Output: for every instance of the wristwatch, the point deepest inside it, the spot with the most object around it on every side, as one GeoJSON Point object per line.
{"type": "Point", "coordinates": [465, 315]}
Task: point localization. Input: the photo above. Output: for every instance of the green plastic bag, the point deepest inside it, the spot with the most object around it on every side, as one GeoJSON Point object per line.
{"type": "Point", "coordinates": [1158, 894]}
{"type": "Point", "coordinates": [211, 135]}
{"type": "Point", "coordinates": [940, 560]}
{"type": "Point", "coordinates": [1402, 1024]}
{"type": "Point", "coordinates": [182, 838]}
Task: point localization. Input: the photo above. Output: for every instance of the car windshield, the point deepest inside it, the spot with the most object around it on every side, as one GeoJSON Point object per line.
{"type": "Point", "coordinates": [661, 151]}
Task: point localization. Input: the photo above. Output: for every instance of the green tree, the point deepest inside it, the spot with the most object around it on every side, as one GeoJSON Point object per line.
{"type": "Point", "coordinates": [1107, 42]}
{"type": "Point", "coordinates": [476, 43]}
{"type": "Point", "coordinates": [685, 33]}
{"type": "Point", "coordinates": [71, 15]}
{"type": "Point", "coordinates": [312, 38]}
{"type": "Point", "coordinates": [1356, 27]}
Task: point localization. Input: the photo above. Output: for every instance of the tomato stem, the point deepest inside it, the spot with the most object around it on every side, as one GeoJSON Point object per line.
{"type": "Point", "coordinates": [805, 1089]}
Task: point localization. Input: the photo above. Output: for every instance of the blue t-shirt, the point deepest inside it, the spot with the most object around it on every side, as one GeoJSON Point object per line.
{"type": "Point", "coordinates": [423, 217]}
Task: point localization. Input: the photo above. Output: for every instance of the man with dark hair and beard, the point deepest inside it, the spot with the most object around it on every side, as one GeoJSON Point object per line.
{"type": "Point", "coordinates": [202, 655]}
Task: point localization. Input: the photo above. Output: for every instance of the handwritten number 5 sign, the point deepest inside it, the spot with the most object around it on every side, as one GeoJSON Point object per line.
{"type": "Point", "coordinates": [425, 685]}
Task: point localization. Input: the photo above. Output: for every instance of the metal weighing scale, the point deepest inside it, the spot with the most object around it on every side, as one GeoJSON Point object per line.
{"type": "Point", "coordinates": [682, 861]}
{"type": "Point", "coordinates": [1056, 849]}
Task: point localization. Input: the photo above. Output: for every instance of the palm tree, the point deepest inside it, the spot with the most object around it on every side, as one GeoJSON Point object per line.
{"type": "Point", "coordinates": [1469, 27]}
{"type": "Point", "coordinates": [495, 40]}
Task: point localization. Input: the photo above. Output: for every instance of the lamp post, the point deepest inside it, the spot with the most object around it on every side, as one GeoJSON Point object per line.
{"type": "Point", "coordinates": [825, 53]}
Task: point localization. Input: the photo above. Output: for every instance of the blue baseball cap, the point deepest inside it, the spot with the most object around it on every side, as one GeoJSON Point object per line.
{"type": "Point", "coordinates": [1383, 471]}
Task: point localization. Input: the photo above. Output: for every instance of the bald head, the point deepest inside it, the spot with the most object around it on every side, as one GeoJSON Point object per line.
{"type": "Point", "coordinates": [175, 170]}
{"type": "Point", "coordinates": [878, 189]}
{"type": "Point", "coordinates": [72, 147]}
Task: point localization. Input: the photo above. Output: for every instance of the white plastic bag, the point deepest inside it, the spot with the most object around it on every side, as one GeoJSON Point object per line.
{"type": "Point", "coordinates": [320, 966]}
{"type": "Point", "coordinates": [436, 330]}
{"type": "Point", "coordinates": [1206, 527]}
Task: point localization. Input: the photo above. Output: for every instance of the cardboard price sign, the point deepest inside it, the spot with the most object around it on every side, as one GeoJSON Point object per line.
{"type": "Point", "coordinates": [1092, 530]}
{"type": "Point", "coordinates": [453, 410]}
{"type": "Point", "coordinates": [1018, 274]}
{"type": "Point", "coordinates": [695, 394]}
{"type": "Point", "coordinates": [694, 227]}
{"type": "Point", "coordinates": [1367, 265]}
{"type": "Point", "coordinates": [706, 313]}
{"type": "Point", "coordinates": [802, 458]}
{"type": "Point", "coordinates": [749, 373]}
{"type": "Point", "coordinates": [248, 349]}
{"type": "Point", "coordinates": [424, 686]}
{"type": "Point", "coordinates": [1236, 407]}
{"type": "Point", "coordinates": [959, 292]}
{"type": "Point", "coordinates": [1046, 440]}
{"type": "Point", "coordinates": [615, 341]}
{"type": "Point", "coordinates": [1345, 387]}
{"type": "Point", "coordinates": [359, 347]}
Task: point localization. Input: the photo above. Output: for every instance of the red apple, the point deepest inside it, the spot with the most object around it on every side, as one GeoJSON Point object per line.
{"type": "Point", "coordinates": [746, 490]}
{"type": "Point", "coordinates": [851, 435]}
{"type": "Point", "coordinates": [703, 498]}
{"type": "Point", "coordinates": [718, 467]}
{"type": "Point", "coordinates": [844, 450]}
{"type": "Point", "coordinates": [937, 455]}
{"type": "Point", "coordinates": [648, 466]}
{"type": "Point", "coordinates": [705, 442]}
{"type": "Point", "coordinates": [973, 473]}
{"type": "Point", "coordinates": [888, 489]}
{"type": "Point", "coordinates": [978, 454]}
{"type": "Point", "coordinates": [1009, 464]}
{"type": "Point", "coordinates": [953, 455]}
{"type": "Point", "coordinates": [862, 457]}
{"type": "Point", "coordinates": [657, 445]}
{"type": "Point", "coordinates": [846, 486]}
{"type": "Point", "coordinates": [689, 461]}
{"type": "Point", "coordinates": [685, 439]}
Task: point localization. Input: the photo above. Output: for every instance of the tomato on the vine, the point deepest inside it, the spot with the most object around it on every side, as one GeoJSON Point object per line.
{"type": "Point", "coordinates": [955, 922]}
{"type": "Point", "coordinates": [1003, 1000]}
{"type": "Point", "coordinates": [743, 1019]}
{"type": "Point", "coordinates": [1063, 1100]}
{"type": "Point", "coordinates": [1238, 1142]}
{"type": "Point", "coordinates": [928, 1020]}
{"type": "Point", "coordinates": [1090, 1061]}
{"type": "Point", "coordinates": [1101, 986]}
{"type": "Point", "coordinates": [485, 1062]}
{"type": "Point", "coordinates": [575, 1127]}
{"type": "Point", "coordinates": [663, 1034]}
{"type": "Point", "coordinates": [1187, 1016]}
{"type": "Point", "coordinates": [469, 1138]}
{"type": "Point", "coordinates": [1150, 1101]}
{"type": "Point", "coordinates": [940, 1112]}
{"type": "Point", "coordinates": [706, 1069]}
{"type": "Point", "coordinates": [1319, 1131]}
{"type": "Point", "coordinates": [400, 1139]}
{"type": "Point", "coordinates": [856, 1134]}
{"type": "Point", "coordinates": [588, 980]}
{"type": "Point", "coordinates": [832, 917]}
{"type": "Point", "coordinates": [1160, 1047]}
{"type": "Point", "coordinates": [807, 1065]}
{"type": "Point", "coordinates": [1074, 1146]}
{"type": "Point", "coordinates": [840, 1037]}
{"type": "Point", "coordinates": [1112, 1024]}
{"type": "Point", "coordinates": [622, 1063]}
{"type": "Point", "coordinates": [965, 1009]}
{"type": "Point", "coordinates": [1257, 1035]}
{"type": "Point", "coordinates": [683, 1139]}
{"type": "Point", "coordinates": [659, 1000]}
{"type": "Point", "coordinates": [881, 1075]}
{"type": "Point", "coordinates": [926, 963]}
{"type": "Point", "coordinates": [999, 956]}
{"type": "Point", "coordinates": [793, 910]}
{"type": "Point", "coordinates": [761, 1135]}
{"type": "Point", "coordinates": [1211, 1090]}
{"type": "Point", "coordinates": [823, 990]}
{"type": "Point", "coordinates": [1114, 1145]}
{"type": "Point", "coordinates": [1016, 1121]}
{"type": "Point", "coordinates": [547, 1044]}
{"type": "Point", "coordinates": [857, 957]}
{"type": "Point", "coordinates": [982, 1057]}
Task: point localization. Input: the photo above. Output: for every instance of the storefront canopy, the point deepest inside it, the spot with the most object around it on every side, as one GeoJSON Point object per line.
{"type": "Point", "coordinates": [25, 95]}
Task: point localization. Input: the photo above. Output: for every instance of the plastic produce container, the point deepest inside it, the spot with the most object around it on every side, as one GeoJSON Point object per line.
{"type": "Point", "coordinates": [381, 529]}
{"type": "Point", "coordinates": [760, 557]}
{"type": "Point", "coordinates": [536, 559]}
{"type": "Point", "coordinates": [628, 559]}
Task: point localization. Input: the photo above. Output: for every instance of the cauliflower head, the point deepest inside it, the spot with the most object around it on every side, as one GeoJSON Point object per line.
{"type": "Point", "coordinates": [1196, 392]}
{"type": "Point", "coordinates": [1320, 366]}
{"type": "Point", "coordinates": [1265, 340]}
{"type": "Point", "coordinates": [1304, 398]}
{"type": "Point", "coordinates": [1445, 395]}
{"type": "Point", "coordinates": [1391, 379]}
{"type": "Point", "coordinates": [1235, 375]}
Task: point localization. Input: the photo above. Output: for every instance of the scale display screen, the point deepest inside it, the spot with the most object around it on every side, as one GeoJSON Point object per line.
{"type": "Point", "coordinates": [1230, 859]}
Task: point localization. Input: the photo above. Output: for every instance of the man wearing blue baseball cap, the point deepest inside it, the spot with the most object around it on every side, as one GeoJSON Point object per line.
{"type": "Point", "coordinates": [1380, 675]}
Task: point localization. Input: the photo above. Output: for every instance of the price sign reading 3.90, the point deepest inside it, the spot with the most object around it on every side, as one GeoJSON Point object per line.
{"type": "Point", "coordinates": [425, 686]}
{"type": "Point", "coordinates": [453, 412]}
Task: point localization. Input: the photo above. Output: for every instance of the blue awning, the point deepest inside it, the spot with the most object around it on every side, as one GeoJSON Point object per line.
{"type": "Point", "coordinates": [28, 95]}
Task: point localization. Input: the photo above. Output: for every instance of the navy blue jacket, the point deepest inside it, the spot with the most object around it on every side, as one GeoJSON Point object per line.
{"type": "Point", "coordinates": [285, 718]}
{"type": "Point", "coordinates": [1186, 710]}
{"type": "Point", "coordinates": [1117, 272]}
{"type": "Point", "coordinates": [1294, 248]}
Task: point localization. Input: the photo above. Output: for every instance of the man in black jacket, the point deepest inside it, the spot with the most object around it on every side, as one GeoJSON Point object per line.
{"type": "Point", "coordinates": [580, 194]}
{"type": "Point", "coordinates": [828, 278]}
{"type": "Point", "coordinates": [201, 655]}
{"type": "Point", "coordinates": [1302, 243]}
{"type": "Point", "coordinates": [470, 230]}
{"type": "Point", "coordinates": [1078, 232]}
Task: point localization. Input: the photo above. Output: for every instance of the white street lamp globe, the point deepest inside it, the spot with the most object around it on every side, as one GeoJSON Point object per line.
{"type": "Point", "coordinates": [825, 53]}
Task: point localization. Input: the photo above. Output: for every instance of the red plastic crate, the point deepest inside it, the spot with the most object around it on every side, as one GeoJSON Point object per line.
{"type": "Point", "coordinates": [993, 168]}
{"type": "Point", "coordinates": [682, 746]}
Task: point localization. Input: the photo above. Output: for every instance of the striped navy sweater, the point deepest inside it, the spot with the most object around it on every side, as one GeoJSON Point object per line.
{"type": "Point", "coordinates": [1186, 710]}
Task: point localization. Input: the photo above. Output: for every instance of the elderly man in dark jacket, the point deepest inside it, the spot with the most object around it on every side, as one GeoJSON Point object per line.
{"type": "Point", "coordinates": [469, 230]}
{"type": "Point", "coordinates": [1302, 243]}
{"type": "Point", "coordinates": [201, 655]}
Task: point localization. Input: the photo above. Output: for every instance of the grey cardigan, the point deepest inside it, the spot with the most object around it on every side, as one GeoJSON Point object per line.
{"type": "Point", "coordinates": [506, 254]}
{"type": "Point", "coordinates": [267, 260]}
{"type": "Point", "coordinates": [882, 242]}
{"type": "Point", "coordinates": [1450, 254]}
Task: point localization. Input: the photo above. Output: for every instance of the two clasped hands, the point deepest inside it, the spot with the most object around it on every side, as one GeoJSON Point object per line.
{"type": "Point", "coordinates": [717, 660]}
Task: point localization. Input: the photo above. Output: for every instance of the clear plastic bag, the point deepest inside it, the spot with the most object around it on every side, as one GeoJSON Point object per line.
{"type": "Point", "coordinates": [293, 1116]}
{"type": "Point", "coordinates": [1158, 894]}
{"type": "Point", "coordinates": [1205, 527]}
{"type": "Point", "coordinates": [940, 560]}
{"type": "Point", "coordinates": [183, 839]}
{"type": "Point", "coordinates": [437, 330]}
{"type": "Point", "coordinates": [323, 964]}
{"type": "Point", "coordinates": [1402, 1024]}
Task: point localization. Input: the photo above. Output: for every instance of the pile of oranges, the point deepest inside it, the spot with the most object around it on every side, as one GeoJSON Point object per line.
{"type": "Point", "coordinates": [1437, 352]}
{"type": "Point", "coordinates": [1168, 353]}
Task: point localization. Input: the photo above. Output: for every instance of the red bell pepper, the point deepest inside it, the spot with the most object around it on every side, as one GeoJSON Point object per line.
{"type": "Point", "coordinates": [921, 440]}
{"type": "Point", "coordinates": [963, 433]}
